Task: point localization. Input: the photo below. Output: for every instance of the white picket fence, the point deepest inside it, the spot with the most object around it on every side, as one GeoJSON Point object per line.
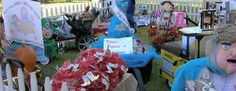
{"type": "Point", "coordinates": [70, 8]}
{"type": "Point", "coordinates": [191, 7]}
{"type": "Point", "coordinates": [21, 83]}
{"type": "Point", "coordinates": [55, 10]}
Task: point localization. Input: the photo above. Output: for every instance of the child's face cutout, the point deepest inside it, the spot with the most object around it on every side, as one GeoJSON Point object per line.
{"type": "Point", "coordinates": [226, 57]}
{"type": "Point", "coordinates": [167, 7]}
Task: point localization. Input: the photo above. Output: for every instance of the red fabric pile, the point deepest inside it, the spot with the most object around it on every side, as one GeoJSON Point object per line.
{"type": "Point", "coordinates": [94, 70]}
{"type": "Point", "coordinates": [152, 31]}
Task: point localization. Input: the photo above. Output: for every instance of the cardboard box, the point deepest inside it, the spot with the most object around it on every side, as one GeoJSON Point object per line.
{"type": "Point", "coordinates": [128, 83]}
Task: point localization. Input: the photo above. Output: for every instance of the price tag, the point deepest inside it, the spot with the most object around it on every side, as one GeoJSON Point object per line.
{"type": "Point", "coordinates": [113, 65]}
{"type": "Point", "coordinates": [98, 54]}
{"type": "Point", "coordinates": [109, 69]}
{"type": "Point", "coordinates": [106, 77]}
{"type": "Point", "coordinates": [68, 67]}
{"type": "Point", "coordinates": [75, 67]}
{"type": "Point", "coordinates": [104, 81]}
{"type": "Point", "coordinates": [82, 89]}
{"type": "Point", "coordinates": [91, 76]}
{"type": "Point", "coordinates": [86, 81]}
{"type": "Point", "coordinates": [123, 68]}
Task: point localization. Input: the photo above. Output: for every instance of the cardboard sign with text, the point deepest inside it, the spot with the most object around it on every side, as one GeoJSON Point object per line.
{"type": "Point", "coordinates": [119, 45]}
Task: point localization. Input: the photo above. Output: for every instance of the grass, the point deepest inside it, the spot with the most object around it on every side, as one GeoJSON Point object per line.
{"type": "Point", "coordinates": [49, 69]}
{"type": "Point", "coordinates": [156, 83]}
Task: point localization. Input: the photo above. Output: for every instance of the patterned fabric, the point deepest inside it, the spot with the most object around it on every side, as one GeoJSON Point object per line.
{"type": "Point", "coordinates": [192, 70]}
{"type": "Point", "coordinates": [209, 81]}
{"type": "Point", "coordinates": [204, 83]}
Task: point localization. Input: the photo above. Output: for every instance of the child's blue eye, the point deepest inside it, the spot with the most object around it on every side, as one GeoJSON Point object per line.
{"type": "Point", "coordinates": [226, 45]}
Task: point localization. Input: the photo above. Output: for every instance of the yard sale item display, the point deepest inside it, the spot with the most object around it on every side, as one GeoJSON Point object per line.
{"type": "Point", "coordinates": [23, 26]}
{"type": "Point", "coordinates": [193, 42]}
{"type": "Point", "coordinates": [21, 40]}
{"type": "Point", "coordinates": [109, 55]}
{"type": "Point", "coordinates": [120, 39]}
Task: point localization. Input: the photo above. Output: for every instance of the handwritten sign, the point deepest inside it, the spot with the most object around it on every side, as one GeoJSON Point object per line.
{"type": "Point", "coordinates": [22, 20]}
{"type": "Point", "coordinates": [119, 45]}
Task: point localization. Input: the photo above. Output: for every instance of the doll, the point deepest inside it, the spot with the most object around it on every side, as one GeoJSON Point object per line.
{"type": "Point", "coordinates": [220, 60]}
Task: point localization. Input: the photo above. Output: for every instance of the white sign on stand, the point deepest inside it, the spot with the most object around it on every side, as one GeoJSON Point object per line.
{"type": "Point", "coordinates": [22, 21]}
{"type": "Point", "coordinates": [189, 30]}
{"type": "Point", "coordinates": [119, 45]}
{"type": "Point", "coordinates": [184, 42]}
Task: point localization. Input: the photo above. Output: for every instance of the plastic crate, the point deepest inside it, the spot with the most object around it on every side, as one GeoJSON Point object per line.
{"type": "Point", "coordinates": [50, 48]}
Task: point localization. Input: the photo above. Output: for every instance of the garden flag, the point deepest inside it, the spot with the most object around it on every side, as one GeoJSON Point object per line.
{"type": "Point", "coordinates": [22, 21]}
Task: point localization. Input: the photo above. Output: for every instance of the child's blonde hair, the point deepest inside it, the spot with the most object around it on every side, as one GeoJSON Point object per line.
{"type": "Point", "coordinates": [226, 33]}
